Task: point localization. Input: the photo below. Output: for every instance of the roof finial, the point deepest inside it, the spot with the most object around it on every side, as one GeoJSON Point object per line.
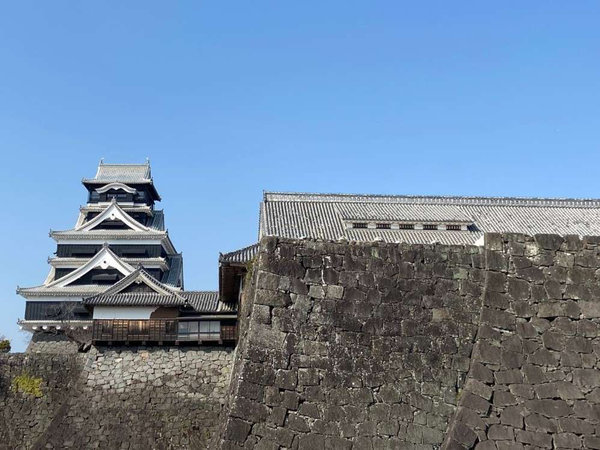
{"type": "Point", "coordinates": [105, 245]}
{"type": "Point", "coordinates": [147, 160]}
{"type": "Point", "coordinates": [101, 161]}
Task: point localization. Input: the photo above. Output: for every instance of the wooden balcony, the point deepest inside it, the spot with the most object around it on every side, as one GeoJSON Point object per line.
{"type": "Point", "coordinates": [162, 331]}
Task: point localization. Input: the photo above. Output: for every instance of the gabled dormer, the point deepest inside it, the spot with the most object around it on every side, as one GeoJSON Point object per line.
{"type": "Point", "coordinates": [105, 267]}
{"type": "Point", "coordinates": [112, 218]}
{"type": "Point", "coordinates": [141, 281]}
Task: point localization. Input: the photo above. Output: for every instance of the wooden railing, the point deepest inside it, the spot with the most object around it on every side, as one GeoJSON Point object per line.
{"type": "Point", "coordinates": [157, 330]}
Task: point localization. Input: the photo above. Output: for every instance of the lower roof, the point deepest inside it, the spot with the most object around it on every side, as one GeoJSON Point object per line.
{"type": "Point", "coordinates": [200, 301]}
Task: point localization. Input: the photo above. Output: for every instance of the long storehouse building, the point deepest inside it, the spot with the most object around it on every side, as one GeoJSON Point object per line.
{"type": "Point", "coordinates": [117, 273]}
{"type": "Point", "coordinates": [421, 219]}
{"type": "Point", "coordinates": [411, 219]}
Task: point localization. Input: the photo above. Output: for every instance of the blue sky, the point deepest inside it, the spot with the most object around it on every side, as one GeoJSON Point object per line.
{"type": "Point", "coordinates": [230, 98]}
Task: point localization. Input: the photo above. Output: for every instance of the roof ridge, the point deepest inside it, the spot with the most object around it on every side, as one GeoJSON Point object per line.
{"type": "Point", "coordinates": [427, 199]}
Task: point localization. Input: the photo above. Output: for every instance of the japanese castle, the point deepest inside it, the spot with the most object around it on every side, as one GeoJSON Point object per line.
{"type": "Point", "coordinates": [118, 274]}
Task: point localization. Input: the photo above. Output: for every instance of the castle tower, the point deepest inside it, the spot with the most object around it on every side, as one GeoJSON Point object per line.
{"type": "Point", "coordinates": [117, 232]}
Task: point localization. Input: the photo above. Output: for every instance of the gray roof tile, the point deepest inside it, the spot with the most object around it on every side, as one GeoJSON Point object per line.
{"type": "Point", "coordinates": [328, 216]}
{"type": "Point", "coordinates": [172, 276]}
{"type": "Point", "coordinates": [241, 256]}
{"type": "Point", "coordinates": [125, 173]}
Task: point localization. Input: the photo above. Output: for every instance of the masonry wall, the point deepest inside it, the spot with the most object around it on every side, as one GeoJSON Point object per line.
{"type": "Point", "coordinates": [347, 345]}
{"type": "Point", "coordinates": [354, 345]}
{"type": "Point", "coordinates": [394, 346]}
{"type": "Point", "coordinates": [51, 343]}
{"type": "Point", "coordinates": [144, 398]}
{"type": "Point", "coordinates": [534, 380]}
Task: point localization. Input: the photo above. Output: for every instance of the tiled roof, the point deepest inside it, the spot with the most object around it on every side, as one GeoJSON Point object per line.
{"type": "Point", "coordinates": [409, 212]}
{"type": "Point", "coordinates": [172, 275]}
{"type": "Point", "coordinates": [108, 234]}
{"type": "Point", "coordinates": [66, 291]}
{"type": "Point", "coordinates": [137, 275]}
{"type": "Point", "coordinates": [200, 301]}
{"type": "Point", "coordinates": [125, 173]}
{"type": "Point", "coordinates": [327, 216]}
{"type": "Point", "coordinates": [158, 220]}
{"type": "Point", "coordinates": [241, 256]}
{"type": "Point", "coordinates": [135, 299]}
{"type": "Point", "coordinates": [434, 199]}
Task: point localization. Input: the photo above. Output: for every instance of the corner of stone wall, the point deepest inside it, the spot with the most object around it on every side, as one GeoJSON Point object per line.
{"type": "Point", "coordinates": [51, 342]}
{"type": "Point", "coordinates": [353, 344]}
{"type": "Point", "coordinates": [534, 376]}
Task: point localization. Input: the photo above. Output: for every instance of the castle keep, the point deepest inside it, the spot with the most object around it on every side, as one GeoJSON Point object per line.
{"type": "Point", "coordinates": [360, 322]}
{"type": "Point", "coordinates": [117, 274]}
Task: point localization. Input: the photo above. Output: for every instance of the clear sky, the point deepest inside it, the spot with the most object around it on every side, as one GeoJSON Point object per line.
{"type": "Point", "coordinates": [230, 98]}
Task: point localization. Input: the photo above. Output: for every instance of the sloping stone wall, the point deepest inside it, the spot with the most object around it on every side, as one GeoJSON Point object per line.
{"type": "Point", "coordinates": [534, 380]}
{"type": "Point", "coordinates": [354, 345]}
{"type": "Point", "coordinates": [394, 346]}
{"type": "Point", "coordinates": [138, 398]}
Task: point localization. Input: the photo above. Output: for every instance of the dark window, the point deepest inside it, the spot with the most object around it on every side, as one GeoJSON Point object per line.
{"type": "Point", "coordinates": [119, 197]}
{"type": "Point", "coordinates": [453, 227]}
{"type": "Point", "coordinates": [407, 226]}
{"type": "Point", "coordinates": [430, 226]}
{"type": "Point", "coordinates": [383, 226]}
{"type": "Point", "coordinates": [359, 225]}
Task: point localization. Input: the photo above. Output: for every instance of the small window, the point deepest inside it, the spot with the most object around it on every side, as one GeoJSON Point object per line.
{"type": "Point", "coordinates": [383, 226]}
{"type": "Point", "coordinates": [359, 225]}
{"type": "Point", "coordinates": [430, 226]}
{"type": "Point", "coordinates": [407, 226]}
{"type": "Point", "coordinates": [118, 197]}
{"type": "Point", "coordinates": [453, 227]}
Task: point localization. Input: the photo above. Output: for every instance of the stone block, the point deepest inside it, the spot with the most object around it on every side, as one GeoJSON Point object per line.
{"type": "Point", "coordinates": [549, 408]}
{"type": "Point", "coordinates": [586, 377]}
{"type": "Point", "coordinates": [237, 430]}
{"type": "Point", "coordinates": [475, 403]}
{"type": "Point", "coordinates": [500, 433]}
{"type": "Point", "coordinates": [591, 442]}
{"type": "Point", "coordinates": [551, 242]}
{"type": "Point", "coordinates": [567, 440]}
{"type": "Point", "coordinates": [496, 282]}
{"type": "Point", "coordinates": [478, 388]}
{"type": "Point", "coordinates": [463, 435]}
{"type": "Point", "coordinates": [272, 298]}
{"type": "Point", "coordinates": [589, 309]}
{"type": "Point", "coordinates": [542, 440]}
{"type": "Point", "coordinates": [513, 416]}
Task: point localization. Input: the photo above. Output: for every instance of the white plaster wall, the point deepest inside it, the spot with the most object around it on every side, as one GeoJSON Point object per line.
{"type": "Point", "coordinates": [123, 312]}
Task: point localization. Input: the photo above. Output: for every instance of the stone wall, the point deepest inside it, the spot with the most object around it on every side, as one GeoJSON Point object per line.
{"type": "Point", "coordinates": [394, 346]}
{"type": "Point", "coordinates": [354, 345]}
{"type": "Point", "coordinates": [23, 416]}
{"type": "Point", "coordinates": [346, 345]}
{"type": "Point", "coordinates": [138, 398]}
{"type": "Point", "coordinates": [51, 342]}
{"type": "Point", "coordinates": [534, 380]}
